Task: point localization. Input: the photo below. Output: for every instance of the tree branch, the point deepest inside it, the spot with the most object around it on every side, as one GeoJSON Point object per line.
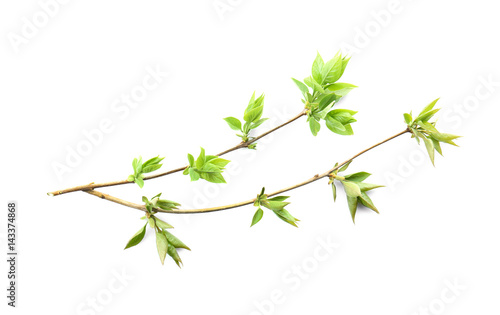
{"type": "Point", "coordinates": [241, 145]}
{"type": "Point", "coordinates": [243, 203]}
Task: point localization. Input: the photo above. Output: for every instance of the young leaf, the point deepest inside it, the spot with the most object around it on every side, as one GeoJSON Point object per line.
{"type": "Point", "coordinates": [357, 177]}
{"type": "Point", "coordinates": [287, 217]}
{"type": "Point", "coordinates": [353, 206]}
{"type": "Point", "coordinates": [335, 69]}
{"type": "Point", "coordinates": [151, 168]}
{"type": "Point", "coordinates": [334, 189]}
{"type": "Point", "coordinates": [430, 148]}
{"type": "Point", "coordinates": [408, 118]}
{"type": "Point", "coordinates": [302, 87]}
{"type": "Point", "coordinates": [254, 114]}
{"type": "Point", "coordinates": [258, 123]}
{"type": "Point", "coordinates": [216, 178]}
{"type": "Point", "coordinates": [137, 238]}
{"type": "Point", "coordinates": [334, 125]}
{"type": "Point", "coordinates": [341, 89]}
{"type": "Point", "coordinates": [172, 252]}
{"type": "Point", "coordinates": [367, 202]}
{"type": "Point", "coordinates": [314, 126]}
{"type": "Point", "coordinates": [191, 160]}
{"type": "Point", "coordinates": [317, 69]}
{"type": "Point", "coordinates": [194, 175]}
{"type": "Point", "coordinates": [351, 189]}
{"type": "Point", "coordinates": [162, 224]}
{"type": "Point", "coordinates": [162, 246]}
{"type": "Point", "coordinates": [257, 216]}
{"type": "Point", "coordinates": [200, 161]}
{"type": "Point", "coordinates": [233, 123]}
{"type": "Point", "coordinates": [174, 241]}
{"type": "Point", "coordinates": [139, 181]}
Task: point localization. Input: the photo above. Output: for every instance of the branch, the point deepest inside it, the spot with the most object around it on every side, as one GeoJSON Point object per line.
{"type": "Point", "coordinates": [243, 203]}
{"type": "Point", "coordinates": [241, 145]}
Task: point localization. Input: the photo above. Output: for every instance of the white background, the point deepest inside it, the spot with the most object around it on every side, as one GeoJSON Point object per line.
{"type": "Point", "coordinates": [437, 225]}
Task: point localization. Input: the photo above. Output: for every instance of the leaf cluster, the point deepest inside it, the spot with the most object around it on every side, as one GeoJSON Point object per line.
{"type": "Point", "coordinates": [321, 92]}
{"type": "Point", "coordinates": [276, 204]}
{"type": "Point", "coordinates": [354, 188]}
{"type": "Point", "coordinates": [166, 242]}
{"type": "Point", "coordinates": [422, 129]}
{"type": "Point", "coordinates": [207, 167]}
{"type": "Point", "coordinates": [251, 117]}
{"type": "Point", "coordinates": [141, 168]}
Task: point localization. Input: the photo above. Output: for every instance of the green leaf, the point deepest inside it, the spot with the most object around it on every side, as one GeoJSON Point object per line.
{"type": "Point", "coordinates": [174, 241]}
{"type": "Point", "coordinates": [162, 224]}
{"type": "Point", "coordinates": [258, 123]}
{"type": "Point", "coordinates": [137, 238]}
{"type": "Point", "coordinates": [428, 107]}
{"type": "Point", "coordinates": [367, 202]}
{"type": "Point", "coordinates": [216, 178]}
{"type": "Point", "coordinates": [334, 125]}
{"type": "Point", "coordinates": [351, 188]}
{"type": "Point", "coordinates": [275, 205]}
{"type": "Point", "coordinates": [430, 148]}
{"type": "Point", "coordinates": [152, 223]}
{"type": "Point", "coordinates": [186, 170]}
{"type": "Point", "coordinates": [334, 189]}
{"type": "Point", "coordinates": [345, 61]}
{"type": "Point", "coordinates": [233, 123]}
{"type": "Point", "coordinates": [334, 67]}
{"type": "Point", "coordinates": [368, 186]}
{"type": "Point", "coordinates": [152, 161]}
{"type": "Point", "coordinates": [287, 217]}
{"type": "Point", "coordinates": [314, 126]}
{"type": "Point", "coordinates": [317, 68]}
{"type": "Point", "coordinates": [200, 161]}
{"type": "Point", "coordinates": [445, 137]}
{"type": "Point", "coordinates": [167, 204]}
{"type": "Point", "coordinates": [358, 177]}
{"type": "Point", "coordinates": [279, 198]}
{"type": "Point", "coordinates": [190, 159]}
{"type": "Point", "coordinates": [327, 100]}
{"type": "Point", "coordinates": [408, 118]}
{"type": "Point", "coordinates": [257, 216]}
{"type": "Point", "coordinates": [130, 178]}
{"type": "Point", "coordinates": [162, 246]}
{"type": "Point", "coordinates": [348, 131]}
{"type": "Point", "coordinates": [151, 168]}
{"type": "Point", "coordinates": [145, 199]}
{"type": "Point", "coordinates": [220, 163]}
{"type": "Point", "coordinates": [139, 181]}
{"type": "Point", "coordinates": [194, 175]}
{"type": "Point", "coordinates": [352, 202]}
{"type": "Point", "coordinates": [302, 87]}
{"type": "Point", "coordinates": [313, 84]}
{"type": "Point", "coordinates": [341, 89]}
{"type": "Point", "coordinates": [428, 115]}
{"type": "Point", "coordinates": [172, 252]}
{"type": "Point", "coordinates": [437, 146]}
{"type": "Point", "coordinates": [210, 168]}
{"type": "Point", "coordinates": [345, 166]}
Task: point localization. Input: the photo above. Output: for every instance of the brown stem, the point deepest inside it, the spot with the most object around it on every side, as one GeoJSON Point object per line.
{"type": "Point", "coordinates": [251, 201]}
{"type": "Point", "coordinates": [179, 169]}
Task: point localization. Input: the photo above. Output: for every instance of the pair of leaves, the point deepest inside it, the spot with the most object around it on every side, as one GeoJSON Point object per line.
{"type": "Point", "coordinates": [321, 92]}
{"type": "Point", "coordinates": [276, 204]}
{"type": "Point", "coordinates": [141, 168]}
{"type": "Point", "coordinates": [422, 129]}
{"type": "Point", "coordinates": [153, 222]}
{"type": "Point", "coordinates": [207, 167]}
{"type": "Point", "coordinates": [156, 204]}
{"type": "Point", "coordinates": [167, 243]}
{"type": "Point", "coordinates": [355, 190]}
{"type": "Point", "coordinates": [252, 118]}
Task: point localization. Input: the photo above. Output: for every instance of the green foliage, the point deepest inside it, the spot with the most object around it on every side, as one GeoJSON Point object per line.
{"type": "Point", "coordinates": [207, 167]}
{"type": "Point", "coordinates": [251, 117]}
{"type": "Point", "coordinates": [140, 169]}
{"type": "Point", "coordinates": [166, 242]}
{"type": "Point", "coordinates": [422, 129]}
{"type": "Point", "coordinates": [354, 188]}
{"type": "Point", "coordinates": [276, 204]}
{"type": "Point", "coordinates": [321, 92]}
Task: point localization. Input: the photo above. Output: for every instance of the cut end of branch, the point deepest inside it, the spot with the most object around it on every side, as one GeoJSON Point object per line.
{"type": "Point", "coordinates": [50, 194]}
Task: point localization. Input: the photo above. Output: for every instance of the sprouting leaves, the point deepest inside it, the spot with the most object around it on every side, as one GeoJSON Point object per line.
{"type": "Point", "coordinates": [207, 167]}
{"type": "Point", "coordinates": [276, 204]}
{"type": "Point", "coordinates": [251, 117]}
{"type": "Point", "coordinates": [166, 242]}
{"type": "Point", "coordinates": [321, 92]}
{"type": "Point", "coordinates": [355, 189]}
{"type": "Point", "coordinates": [140, 169]}
{"type": "Point", "coordinates": [422, 129]}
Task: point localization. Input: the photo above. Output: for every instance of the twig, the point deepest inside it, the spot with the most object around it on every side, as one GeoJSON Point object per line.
{"type": "Point", "coordinates": [241, 145]}
{"type": "Point", "coordinates": [243, 203]}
